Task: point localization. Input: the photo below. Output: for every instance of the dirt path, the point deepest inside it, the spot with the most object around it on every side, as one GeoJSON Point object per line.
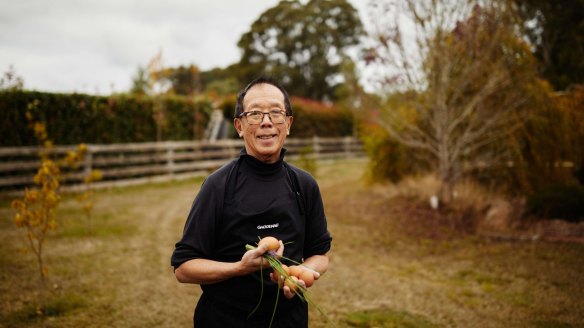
{"type": "Point", "coordinates": [152, 292]}
{"type": "Point", "coordinates": [388, 256]}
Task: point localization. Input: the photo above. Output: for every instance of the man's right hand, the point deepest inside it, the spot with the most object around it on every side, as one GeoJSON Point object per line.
{"type": "Point", "coordinates": [252, 260]}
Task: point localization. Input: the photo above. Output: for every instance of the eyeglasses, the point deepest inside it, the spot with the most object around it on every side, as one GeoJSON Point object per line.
{"type": "Point", "coordinates": [256, 116]}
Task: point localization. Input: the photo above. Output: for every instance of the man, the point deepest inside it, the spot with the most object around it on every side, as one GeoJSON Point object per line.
{"type": "Point", "coordinates": [254, 196]}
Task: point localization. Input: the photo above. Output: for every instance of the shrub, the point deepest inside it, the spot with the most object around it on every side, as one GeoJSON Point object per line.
{"type": "Point", "coordinates": [78, 118]}
{"type": "Point", "coordinates": [316, 118]}
{"type": "Point", "coordinates": [36, 211]}
{"type": "Point", "coordinates": [558, 202]}
{"type": "Point", "coordinates": [389, 160]}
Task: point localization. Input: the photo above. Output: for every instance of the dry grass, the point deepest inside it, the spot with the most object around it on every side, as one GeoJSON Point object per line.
{"type": "Point", "coordinates": [395, 263]}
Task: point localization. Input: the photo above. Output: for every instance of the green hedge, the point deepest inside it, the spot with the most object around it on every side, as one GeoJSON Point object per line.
{"type": "Point", "coordinates": [80, 118]}
{"type": "Point", "coordinates": [77, 118]}
{"type": "Point", "coordinates": [315, 118]}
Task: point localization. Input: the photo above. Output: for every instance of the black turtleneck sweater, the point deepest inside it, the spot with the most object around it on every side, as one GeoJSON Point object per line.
{"type": "Point", "coordinates": [246, 200]}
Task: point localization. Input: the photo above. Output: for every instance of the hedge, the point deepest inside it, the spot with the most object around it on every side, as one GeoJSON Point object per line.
{"type": "Point", "coordinates": [77, 118]}
{"type": "Point", "coordinates": [316, 118]}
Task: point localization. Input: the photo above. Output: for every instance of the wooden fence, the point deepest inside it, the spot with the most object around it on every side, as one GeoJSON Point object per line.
{"type": "Point", "coordinates": [136, 163]}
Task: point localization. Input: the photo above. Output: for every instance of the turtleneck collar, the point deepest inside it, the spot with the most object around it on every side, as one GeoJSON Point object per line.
{"type": "Point", "coordinates": [262, 168]}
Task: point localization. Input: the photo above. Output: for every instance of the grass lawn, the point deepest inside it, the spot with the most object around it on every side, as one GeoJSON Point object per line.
{"type": "Point", "coordinates": [392, 265]}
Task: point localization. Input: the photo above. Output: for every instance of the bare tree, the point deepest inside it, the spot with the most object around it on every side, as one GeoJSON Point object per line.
{"type": "Point", "coordinates": [11, 81]}
{"type": "Point", "coordinates": [158, 84]}
{"type": "Point", "coordinates": [461, 70]}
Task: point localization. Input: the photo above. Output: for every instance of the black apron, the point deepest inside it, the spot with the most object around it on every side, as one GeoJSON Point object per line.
{"type": "Point", "coordinates": [229, 303]}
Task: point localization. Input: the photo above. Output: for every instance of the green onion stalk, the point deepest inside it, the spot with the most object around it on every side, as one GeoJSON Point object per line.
{"type": "Point", "coordinates": [301, 291]}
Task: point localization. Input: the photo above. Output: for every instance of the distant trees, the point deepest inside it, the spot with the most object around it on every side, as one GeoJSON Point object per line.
{"type": "Point", "coordinates": [556, 30]}
{"type": "Point", "coordinates": [184, 80]}
{"type": "Point", "coordinates": [548, 149]}
{"type": "Point", "coordinates": [303, 45]}
{"type": "Point", "coordinates": [140, 82]}
{"type": "Point", "coordinates": [10, 81]}
{"type": "Point", "coordinates": [221, 81]}
{"type": "Point", "coordinates": [159, 79]}
{"type": "Point", "coordinates": [463, 77]}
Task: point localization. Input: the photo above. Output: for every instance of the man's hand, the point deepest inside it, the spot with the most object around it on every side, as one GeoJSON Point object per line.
{"type": "Point", "coordinates": [288, 293]}
{"type": "Point", "coordinates": [252, 260]}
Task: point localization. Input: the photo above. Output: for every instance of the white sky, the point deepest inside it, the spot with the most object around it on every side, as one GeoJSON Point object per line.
{"type": "Point", "coordinates": [96, 46]}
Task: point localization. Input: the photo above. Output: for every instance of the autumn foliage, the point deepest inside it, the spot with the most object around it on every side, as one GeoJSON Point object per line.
{"type": "Point", "coordinates": [36, 211]}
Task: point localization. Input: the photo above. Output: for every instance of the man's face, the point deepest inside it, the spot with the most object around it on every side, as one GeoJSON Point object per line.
{"type": "Point", "coordinates": [264, 140]}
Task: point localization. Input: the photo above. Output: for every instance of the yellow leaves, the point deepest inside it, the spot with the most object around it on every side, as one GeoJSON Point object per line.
{"type": "Point", "coordinates": [39, 130]}
{"type": "Point", "coordinates": [82, 149]}
{"type": "Point", "coordinates": [94, 176]}
{"type": "Point", "coordinates": [48, 176]}
{"type": "Point", "coordinates": [19, 220]}
{"type": "Point", "coordinates": [36, 210]}
{"type": "Point", "coordinates": [34, 220]}
{"type": "Point", "coordinates": [72, 159]}
{"type": "Point", "coordinates": [52, 199]}
{"type": "Point", "coordinates": [155, 67]}
{"type": "Point", "coordinates": [31, 196]}
{"type": "Point", "coordinates": [37, 178]}
{"type": "Point", "coordinates": [22, 216]}
{"type": "Point", "coordinates": [52, 225]}
{"type": "Point", "coordinates": [18, 205]}
{"type": "Point", "coordinates": [86, 199]}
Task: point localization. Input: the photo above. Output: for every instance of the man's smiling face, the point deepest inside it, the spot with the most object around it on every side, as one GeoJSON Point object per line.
{"type": "Point", "coordinates": [264, 140]}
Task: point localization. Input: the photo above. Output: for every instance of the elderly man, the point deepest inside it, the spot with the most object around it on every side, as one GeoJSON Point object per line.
{"type": "Point", "coordinates": [256, 195]}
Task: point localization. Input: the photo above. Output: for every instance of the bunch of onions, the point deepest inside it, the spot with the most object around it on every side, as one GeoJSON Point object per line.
{"type": "Point", "coordinates": [286, 275]}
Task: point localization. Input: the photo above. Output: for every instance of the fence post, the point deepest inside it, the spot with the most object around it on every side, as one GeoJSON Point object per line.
{"type": "Point", "coordinates": [316, 146]}
{"type": "Point", "coordinates": [88, 161]}
{"type": "Point", "coordinates": [170, 159]}
{"type": "Point", "coordinates": [347, 146]}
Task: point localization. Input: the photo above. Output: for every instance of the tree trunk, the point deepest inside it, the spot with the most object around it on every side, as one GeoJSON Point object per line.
{"type": "Point", "coordinates": [43, 289]}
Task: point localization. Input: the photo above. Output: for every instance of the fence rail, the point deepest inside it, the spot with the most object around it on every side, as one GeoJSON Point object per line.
{"type": "Point", "coordinates": [136, 163]}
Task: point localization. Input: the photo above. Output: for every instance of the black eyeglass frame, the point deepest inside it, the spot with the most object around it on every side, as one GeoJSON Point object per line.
{"type": "Point", "coordinates": [246, 114]}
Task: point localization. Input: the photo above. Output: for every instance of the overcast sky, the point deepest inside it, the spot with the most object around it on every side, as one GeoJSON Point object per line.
{"type": "Point", "coordinates": [96, 46]}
